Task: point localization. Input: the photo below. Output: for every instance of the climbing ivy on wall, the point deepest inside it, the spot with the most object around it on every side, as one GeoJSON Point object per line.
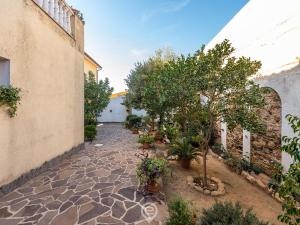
{"type": "Point", "coordinates": [10, 97]}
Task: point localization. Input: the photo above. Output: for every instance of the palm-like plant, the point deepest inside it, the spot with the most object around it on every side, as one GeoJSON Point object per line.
{"type": "Point", "coordinates": [184, 151]}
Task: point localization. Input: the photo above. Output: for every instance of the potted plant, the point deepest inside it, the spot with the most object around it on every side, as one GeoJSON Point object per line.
{"type": "Point", "coordinates": [149, 170]}
{"type": "Point", "coordinates": [133, 122]}
{"type": "Point", "coordinates": [146, 140]}
{"type": "Point", "coordinates": [185, 152]}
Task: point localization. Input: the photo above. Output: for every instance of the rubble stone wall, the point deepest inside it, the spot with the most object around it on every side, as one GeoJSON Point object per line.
{"type": "Point", "coordinates": [265, 148]}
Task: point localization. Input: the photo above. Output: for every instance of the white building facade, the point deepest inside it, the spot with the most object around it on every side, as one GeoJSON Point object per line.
{"type": "Point", "coordinates": [269, 31]}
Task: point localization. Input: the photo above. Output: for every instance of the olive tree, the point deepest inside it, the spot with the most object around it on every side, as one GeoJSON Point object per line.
{"type": "Point", "coordinates": [146, 86]}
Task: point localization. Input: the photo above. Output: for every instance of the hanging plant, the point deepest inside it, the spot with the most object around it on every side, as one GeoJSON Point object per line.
{"type": "Point", "coordinates": [10, 97]}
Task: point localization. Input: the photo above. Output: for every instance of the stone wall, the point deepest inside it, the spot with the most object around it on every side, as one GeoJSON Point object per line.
{"type": "Point", "coordinates": [235, 141]}
{"type": "Point", "coordinates": [265, 148]}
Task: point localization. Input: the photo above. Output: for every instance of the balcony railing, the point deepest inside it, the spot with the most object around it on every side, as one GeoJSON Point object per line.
{"type": "Point", "coordinates": [59, 11]}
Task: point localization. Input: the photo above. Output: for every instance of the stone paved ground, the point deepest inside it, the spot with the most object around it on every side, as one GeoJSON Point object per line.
{"type": "Point", "coordinates": [94, 186]}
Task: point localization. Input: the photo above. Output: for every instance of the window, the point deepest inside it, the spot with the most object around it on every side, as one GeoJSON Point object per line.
{"type": "Point", "coordinates": [4, 71]}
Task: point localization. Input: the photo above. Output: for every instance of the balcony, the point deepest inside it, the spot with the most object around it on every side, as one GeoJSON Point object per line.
{"type": "Point", "coordinates": [59, 11]}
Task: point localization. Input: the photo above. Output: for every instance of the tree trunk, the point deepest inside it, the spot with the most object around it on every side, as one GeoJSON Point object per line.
{"type": "Point", "coordinates": [152, 124]}
{"type": "Point", "coordinates": [161, 120]}
{"type": "Point", "coordinates": [204, 165]}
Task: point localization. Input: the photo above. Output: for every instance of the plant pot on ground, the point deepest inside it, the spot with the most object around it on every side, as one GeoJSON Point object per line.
{"type": "Point", "coordinates": [149, 171]}
{"type": "Point", "coordinates": [185, 152]}
{"type": "Point", "coordinates": [135, 130]}
{"type": "Point", "coordinates": [146, 140]}
{"type": "Point", "coordinates": [153, 187]}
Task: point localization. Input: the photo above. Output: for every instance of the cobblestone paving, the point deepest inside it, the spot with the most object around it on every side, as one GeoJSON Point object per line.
{"type": "Point", "coordinates": [94, 186]}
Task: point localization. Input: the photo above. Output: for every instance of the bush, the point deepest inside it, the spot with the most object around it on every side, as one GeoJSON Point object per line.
{"type": "Point", "coordinates": [180, 213]}
{"type": "Point", "coordinates": [133, 121]}
{"type": "Point", "coordinates": [228, 214]}
{"type": "Point", "coordinates": [249, 167]}
{"type": "Point", "coordinates": [90, 132]}
{"type": "Point", "coordinates": [171, 132]}
{"type": "Point", "coordinates": [146, 139]}
{"type": "Point", "coordinates": [239, 165]}
{"type": "Point", "coordinates": [218, 149]}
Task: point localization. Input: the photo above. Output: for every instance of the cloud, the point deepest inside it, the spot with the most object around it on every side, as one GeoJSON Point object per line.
{"type": "Point", "coordinates": [166, 7]}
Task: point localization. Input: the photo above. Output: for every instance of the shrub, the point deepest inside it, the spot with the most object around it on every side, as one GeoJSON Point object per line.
{"type": "Point", "coordinates": [184, 150]}
{"type": "Point", "coordinates": [239, 165]}
{"type": "Point", "coordinates": [90, 132]}
{"type": "Point", "coordinates": [180, 213]}
{"type": "Point", "coordinates": [171, 132]}
{"type": "Point", "coordinates": [228, 214]}
{"type": "Point", "coordinates": [134, 121]}
{"type": "Point", "coordinates": [249, 167]}
{"type": "Point", "coordinates": [146, 139]}
{"type": "Point", "coordinates": [233, 163]}
{"type": "Point", "coordinates": [218, 149]}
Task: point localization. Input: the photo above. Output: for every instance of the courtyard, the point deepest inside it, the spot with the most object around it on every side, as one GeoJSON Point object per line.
{"type": "Point", "coordinates": [95, 186]}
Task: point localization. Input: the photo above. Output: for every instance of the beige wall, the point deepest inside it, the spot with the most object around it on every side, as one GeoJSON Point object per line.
{"type": "Point", "coordinates": [90, 66]}
{"type": "Point", "coordinates": [47, 64]}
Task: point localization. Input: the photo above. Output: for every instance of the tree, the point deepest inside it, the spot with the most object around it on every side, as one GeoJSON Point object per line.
{"type": "Point", "coordinates": [287, 184]}
{"type": "Point", "coordinates": [96, 98]}
{"type": "Point", "coordinates": [226, 91]}
{"type": "Point", "coordinates": [145, 86]}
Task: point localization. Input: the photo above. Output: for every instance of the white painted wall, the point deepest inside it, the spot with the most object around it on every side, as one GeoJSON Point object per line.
{"type": "Point", "coordinates": [269, 31]}
{"type": "Point", "coordinates": [266, 30]}
{"type": "Point", "coordinates": [141, 112]}
{"type": "Point", "coordinates": [114, 112]}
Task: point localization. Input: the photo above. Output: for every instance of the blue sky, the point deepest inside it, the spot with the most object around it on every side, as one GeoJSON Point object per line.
{"type": "Point", "coordinates": [120, 32]}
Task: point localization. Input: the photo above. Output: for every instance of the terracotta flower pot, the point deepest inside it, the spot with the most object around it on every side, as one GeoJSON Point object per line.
{"type": "Point", "coordinates": [135, 131]}
{"type": "Point", "coordinates": [158, 137]}
{"type": "Point", "coordinates": [146, 146]}
{"type": "Point", "coordinates": [185, 163]}
{"type": "Point", "coordinates": [153, 187]}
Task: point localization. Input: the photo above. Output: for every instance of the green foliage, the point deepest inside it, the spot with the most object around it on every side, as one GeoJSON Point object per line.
{"type": "Point", "coordinates": [249, 167]}
{"type": "Point", "coordinates": [179, 212]}
{"type": "Point", "coordinates": [228, 214]}
{"type": "Point", "coordinates": [219, 149]}
{"type": "Point", "coordinates": [96, 98]}
{"type": "Point", "coordinates": [146, 139]}
{"type": "Point", "coordinates": [90, 132]}
{"type": "Point", "coordinates": [233, 162]}
{"type": "Point", "coordinates": [150, 169]}
{"type": "Point", "coordinates": [287, 184]}
{"type": "Point", "coordinates": [238, 165]}
{"type": "Point", "coordinates": [10, 97]}
{"type": "Point", "coordinates": [172, 132]}
{"type": "Point", "coordinates": [196, 91]}
{"type": "Point", "coordinates": [133, 121]}
{"type": "Point", "coordinates": [184, 150]}
{"type": "Point", "coordinates": [145, 89]}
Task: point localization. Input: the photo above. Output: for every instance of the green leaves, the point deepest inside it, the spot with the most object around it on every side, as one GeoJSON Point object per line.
{"type": "Point", "coordinates": [184, 150]}
{"type": "Point", "coordinates": [10, 97]}
{"type": "Point", "coordinates": [287, 185]}
{"type": "Point", "coordinates": [179, 212]}
{"type": "Point", "coordinates": [96, 98]}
